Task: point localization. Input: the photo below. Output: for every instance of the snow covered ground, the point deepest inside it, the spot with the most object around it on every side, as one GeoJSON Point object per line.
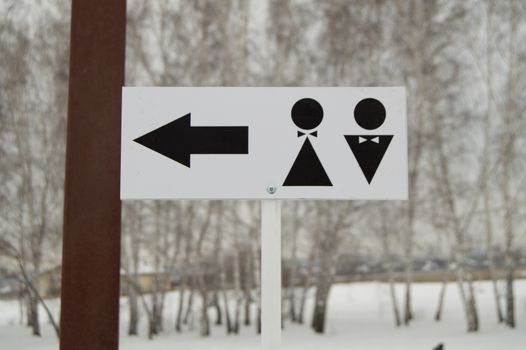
{"type": "Point", "coordinates": [360, 317]}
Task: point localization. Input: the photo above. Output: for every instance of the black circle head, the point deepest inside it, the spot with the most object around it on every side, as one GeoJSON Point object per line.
{"type": "Point", "coordinates": [307, 113]}
{"type": "Point", "coordinates": [369, 113]}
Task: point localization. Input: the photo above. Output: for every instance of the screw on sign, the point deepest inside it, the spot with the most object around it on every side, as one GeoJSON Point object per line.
{"type": "Point", "coordinates": [271, 189]}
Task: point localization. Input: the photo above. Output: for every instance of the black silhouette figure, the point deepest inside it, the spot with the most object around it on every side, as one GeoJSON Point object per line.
{"type": "Point", "coordinates": [369, 150]}
{"type": "Point", "coordinates": [307, 169]}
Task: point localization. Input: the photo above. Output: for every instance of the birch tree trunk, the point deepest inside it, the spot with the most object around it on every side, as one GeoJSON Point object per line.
{"type": "Point", "coordinates": [134, 311]}
{"type": "Point", "coordinates": [507, 159]}
{"type": "Point", "coordinates": [294, 263]}
{"type": "Point", "coordinates": [217, 306]}
{"type": "Point", "coordinates": [238, 293]}
{"type": "Point", "coordinates": [217, 258]}
{"type": "Point", "coordinates": [440, 307]}
{"type": "Point", "coordinates": [205, 321]}
{"type": "Point", "coordinates": [33, 314]}
{"type": "Point", "coordinates": [488, 126]}
{"type": "Point", "coordinates": [305, 288]}
{"type": "Point", "coordinates": [224, 295]}
{"type": "Point", "coordinates": [256, 251]}
{"type": "Point", "coordinates": [491, 255]}
{"type": "Point", "coordinates": [182, 290]}
{"type": "Point", "coordinates": [323, 287]}
{"type": "Point", "coordinates": [248, 287]}
{"type": "Point", "coordinates": [390, 273]}
{"type": "Point", "coordinates": [320, 308]}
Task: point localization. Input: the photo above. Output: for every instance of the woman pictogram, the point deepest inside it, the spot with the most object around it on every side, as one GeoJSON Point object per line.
{"type": "Point", "coordinates": [307, 169]}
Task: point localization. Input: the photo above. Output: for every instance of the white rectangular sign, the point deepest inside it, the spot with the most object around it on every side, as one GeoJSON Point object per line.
{"type": "Point", "coordinates": [264, 143]}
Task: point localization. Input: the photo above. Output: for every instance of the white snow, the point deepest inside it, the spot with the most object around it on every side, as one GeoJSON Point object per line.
{"type": "Point", "coordinates": [359, 317]}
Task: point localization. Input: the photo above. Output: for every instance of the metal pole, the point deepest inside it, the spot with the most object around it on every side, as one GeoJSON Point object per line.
{"type": "Point", "coordinates": [92, 208]}
{"type": "Point", "coordinates": [271, 274]}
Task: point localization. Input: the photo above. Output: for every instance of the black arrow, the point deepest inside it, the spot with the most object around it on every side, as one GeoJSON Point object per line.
{"type": "Point", "coordinates": [177, 140]}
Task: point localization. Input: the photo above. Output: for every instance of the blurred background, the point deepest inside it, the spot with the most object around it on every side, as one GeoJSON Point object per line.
{"type": "Point", "coordinates": [447, 266]}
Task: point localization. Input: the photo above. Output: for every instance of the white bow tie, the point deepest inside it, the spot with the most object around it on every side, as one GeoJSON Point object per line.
{"type": "Point", "coordinates": [374, 139]}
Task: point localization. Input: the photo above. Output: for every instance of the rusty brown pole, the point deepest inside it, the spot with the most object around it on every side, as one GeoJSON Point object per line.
{"type": "Point", "coordinates": [89, 317]}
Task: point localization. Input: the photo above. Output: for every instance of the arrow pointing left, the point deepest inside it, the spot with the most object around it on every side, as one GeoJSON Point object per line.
{"type": "Point", "coordinates": [178, 140]}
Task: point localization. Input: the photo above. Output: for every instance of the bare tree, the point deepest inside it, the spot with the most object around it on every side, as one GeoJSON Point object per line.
{"type": "Point", "coordinates": [388, 227]}
{"type": "Point", "coordinates": [333, 220]}
{"type": "Point", "coordinates": [131, 241]}
{"type": "Point", "coordinates": [33, 109]}
{"type": "Point", "coordinates": [512, 117]}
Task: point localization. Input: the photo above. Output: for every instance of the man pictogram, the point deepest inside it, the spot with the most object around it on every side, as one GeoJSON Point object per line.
{"type": "Point", "coordinates": [307, 169]}
{"type": "Point", "coordinates": [369, 150]}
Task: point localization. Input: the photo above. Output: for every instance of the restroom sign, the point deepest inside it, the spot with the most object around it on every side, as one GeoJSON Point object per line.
{"type": "Point", "coordinates": [264, 143]}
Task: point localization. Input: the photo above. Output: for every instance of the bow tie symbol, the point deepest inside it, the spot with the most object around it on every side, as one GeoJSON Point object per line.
{"type": "Point", "coordinates": [314, 133]}
{"type": "Point", "coordinates": [375, 139]}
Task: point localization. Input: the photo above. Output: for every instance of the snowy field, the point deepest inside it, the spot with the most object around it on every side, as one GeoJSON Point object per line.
{"type": "Point", "coordinates": [360, 317]}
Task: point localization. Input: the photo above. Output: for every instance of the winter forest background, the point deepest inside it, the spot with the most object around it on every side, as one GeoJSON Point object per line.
{"type": "Point", "coordinates": [445, 266]}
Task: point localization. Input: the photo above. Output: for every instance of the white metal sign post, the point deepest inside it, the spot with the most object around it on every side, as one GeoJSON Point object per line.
{"type": "Point", "coordinates": [268, 144]}
{"type": "Point", "coordinates": [270, 274]}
